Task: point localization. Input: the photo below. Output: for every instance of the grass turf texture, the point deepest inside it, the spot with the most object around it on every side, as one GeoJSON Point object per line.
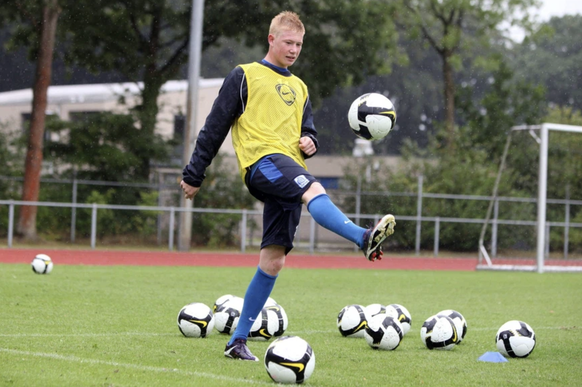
{"type": "Point", "coordinates": [116, 326]}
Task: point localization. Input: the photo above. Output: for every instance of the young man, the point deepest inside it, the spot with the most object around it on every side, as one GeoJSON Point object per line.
{"type": "Point", "coordinates": [270, 114]}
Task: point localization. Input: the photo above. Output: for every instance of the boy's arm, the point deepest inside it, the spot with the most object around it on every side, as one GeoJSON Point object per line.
{"type": "Point", "coordinates": [308, 129]}
{"type": "Point", "coordinates": [226, 108]}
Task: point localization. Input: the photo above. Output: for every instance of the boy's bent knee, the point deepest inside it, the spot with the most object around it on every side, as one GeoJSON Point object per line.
{"type": "Point", "coordinates": [314, 190]}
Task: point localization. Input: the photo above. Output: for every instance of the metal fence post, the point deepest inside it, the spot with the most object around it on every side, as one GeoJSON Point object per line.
{"type": "Point", "coordinates": [437, 230]}
{"type": "Point", "coordinates": [171, 229]}
{"type": "Point", "coordinates": [418, 216]}
{"type": "Point", "coordinates": [74, 211]}
{"type": "Point", "coordinates": [547, 242]}
{"type": "Point", "coordinates": [93, 225]}
{"type": "Point", "coordinates": [159, 217]}
{"type": "Point", "coordinates": [494, 228]}
{"type": "Point", "coordinates": [10, 223]}
{"type": "Point", "coordinates": [243, 231]}
{"type": "Point", "coordinates": [312, 226]}
{"type": "Point", "coordinates": [567, 222]}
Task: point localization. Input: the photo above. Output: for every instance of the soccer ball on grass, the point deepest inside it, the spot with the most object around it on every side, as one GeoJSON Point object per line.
{"type": "Point", "coordinates": [515, 339]}
{"type": "Point", "coordinates": [383, 332]}
{"type": "Point", "coordinates": [352, 320]}
{"type": "Point", "coordinates": [272, 321]}
{"type": "Point", "coordinates": [289, 360]}
{"type": "Point", "coordinates": [401, 314]}
{"type": "Point", "coordinates": [227, 314]}
{"type": "Point", "coordinates": [372, 116]}
{"type": "Point", "coordinates": [221, 301]}
{"type": "Point", "coordinates": [375, 309]}
{"type": "Point", "coordinates": [196, 320]}
{"type": "Point", "coordinates": [42, 264]}
{"type": "Point", "coordinates": [458, 319]}
{"type": "Point", "coordinates": [439, 332]}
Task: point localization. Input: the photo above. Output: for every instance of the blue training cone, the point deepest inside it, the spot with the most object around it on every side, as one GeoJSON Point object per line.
{"type": "Point", "coordinates": [493, 357]}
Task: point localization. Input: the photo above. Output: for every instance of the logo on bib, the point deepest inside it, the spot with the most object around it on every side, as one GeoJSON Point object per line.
{"type": "Point", "coordinates": [286, 93]}
{"type": "Point", "coordinates": [301, 181]}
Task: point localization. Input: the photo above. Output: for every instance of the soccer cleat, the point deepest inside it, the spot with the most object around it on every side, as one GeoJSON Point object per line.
{"type": "Point", "coordinates": [239, 350]}
{"type": "Point", "coordinates": [373, 237]}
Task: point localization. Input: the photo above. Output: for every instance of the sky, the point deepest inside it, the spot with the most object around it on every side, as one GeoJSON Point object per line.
{"type": "Point", "coordinates": [559, 8]}
{"type": "Point", "coordinates": [548, 9]}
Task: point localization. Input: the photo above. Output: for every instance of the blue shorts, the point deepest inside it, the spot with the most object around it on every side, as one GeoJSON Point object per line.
{"type": "Point", "coordinates": [279, 182]}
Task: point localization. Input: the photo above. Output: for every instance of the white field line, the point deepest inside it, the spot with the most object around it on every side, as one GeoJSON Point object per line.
{"type": "Point", "coordinates": [470, 329]}
{"type": "Point", "coordinates": [145, 334]}
{"type": "Point", "coordinates": [112, 334]}
{"type": "Point", "coordinates": [76, 359]}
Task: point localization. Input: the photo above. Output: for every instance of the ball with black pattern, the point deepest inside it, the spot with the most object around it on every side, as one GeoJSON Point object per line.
{"type": "Point", "coordinates": [196, 320]}
{"type": "Point", "coordinates": [383, 332]}
{"type": "Point", "coordinates": [458, 319]}
{"type": "Point", "coordinates": [42, 264]}
{"type": "Point", "coordinates": [515, 339]}
{"type": "Point", "coordinates": [402, 314]}
{"type": "Point", "coordinates": [289, 360]}
{"type": "Point", "coordinates": [352, 320]}
{"type": "Point", "coordinates": [439, 332]}
{"type": "Point", "coordinates": [227, 314]}
{"type": "Point", "coordinates": [271, 322]}
{"type": "Point", "coordinates": [372, 116]}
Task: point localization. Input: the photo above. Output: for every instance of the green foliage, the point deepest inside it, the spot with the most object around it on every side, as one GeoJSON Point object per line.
{"type": "Point", "coordinates": [472, 169]}
{"type": "Point", "coordinates": [119, 224]}
{"type": "Point", "coordinates": [93, 332]}
{"type": "Point", "coordinates": [451, 28]}
{"type": "Point", "coordinates": [106, 146]}
{"type": "Point", "coordinates": [7, 187]}
{"type": "Point", "coordinates": [508, 101]}
{"type": "Point", "coordinates": [553, 60]}
{"type": "Point", "coordinates": [340, 35]}
{"type": "Point", "coordinates": [221, 189]}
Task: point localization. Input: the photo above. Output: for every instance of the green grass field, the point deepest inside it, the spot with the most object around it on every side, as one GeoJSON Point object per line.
{"type": "Point", "coordinates": [116, 326]}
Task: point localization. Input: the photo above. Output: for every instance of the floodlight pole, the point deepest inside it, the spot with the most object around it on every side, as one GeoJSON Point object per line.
{"type": "Point", "coordinates": [195, 50]}
{"type": "Point", "coordinates": [542, 197]}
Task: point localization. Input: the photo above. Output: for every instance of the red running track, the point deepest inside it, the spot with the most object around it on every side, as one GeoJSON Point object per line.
{"type": "Point", "coordinates": [149, 258]}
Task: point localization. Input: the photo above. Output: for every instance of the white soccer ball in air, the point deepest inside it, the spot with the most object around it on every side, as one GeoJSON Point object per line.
{"type": "Point", "coordinates": [42, 264]}
{"type": "Point", "coordinates": [458, 319]}
{"type": "Point", "coordinates": [383, 332]}
{"type": "Point", "coordinates": [352, 320]}
{"type": "Point", "coordinates": [272, 321]}
{"type": "Point", "coordinates": [227, 314]}
{"type": "Point", "coordinates": [196, 320]}
{"type": "Point", "coordinates": [515, 339]}
{"type": "Point", "coordinates": [401, 314]}
{"type": "Point", "coordinates": [372, 116]}
{"type": "Point", "coordinates": [439, 332]}
{"type": "Point", "coordinates": [289, 360]}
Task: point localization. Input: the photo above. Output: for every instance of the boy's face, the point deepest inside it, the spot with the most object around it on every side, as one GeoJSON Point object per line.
{"type": "Point", "coordinates": [284, 48]}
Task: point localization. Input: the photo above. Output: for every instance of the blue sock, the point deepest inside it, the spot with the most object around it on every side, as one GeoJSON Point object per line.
{"type": "Point", "coordinates": [329, 216]}
{"type": "Point", "coordinates": [257, 294]}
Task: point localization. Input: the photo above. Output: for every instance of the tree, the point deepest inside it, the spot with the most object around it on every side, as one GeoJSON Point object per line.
{"type": "Point", "coordinates": [37, 28]}
{"type": "Point", "coordinates": [144, 40]}
{"type": "Point", "coordinates": [552, 57]}
{"type": "Point", "coordinates": [508, 101]}
{"type": "Point", "coordinates": [451, 26]}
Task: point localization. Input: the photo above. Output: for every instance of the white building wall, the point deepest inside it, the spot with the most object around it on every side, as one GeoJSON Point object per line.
{"type": "Point", "coordinates": [64, 100]}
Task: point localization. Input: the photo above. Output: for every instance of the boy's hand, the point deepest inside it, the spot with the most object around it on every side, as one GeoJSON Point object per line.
{"type": "Point", "coordinates": [189, 191]}
{"type": "Point", "coordinates": [307, 146]}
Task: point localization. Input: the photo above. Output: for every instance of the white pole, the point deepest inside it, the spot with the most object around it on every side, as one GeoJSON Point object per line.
{"type": "Point", "coordinates": [195, 50]}
{"type": "Point", "coordinates": [418, 216]}
{"type": "Point", "coordinates": [542, 196]}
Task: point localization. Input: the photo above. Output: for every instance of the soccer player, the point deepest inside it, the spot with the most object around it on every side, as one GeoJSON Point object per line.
{"type": "Point", "coordinates": [270, 114]}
